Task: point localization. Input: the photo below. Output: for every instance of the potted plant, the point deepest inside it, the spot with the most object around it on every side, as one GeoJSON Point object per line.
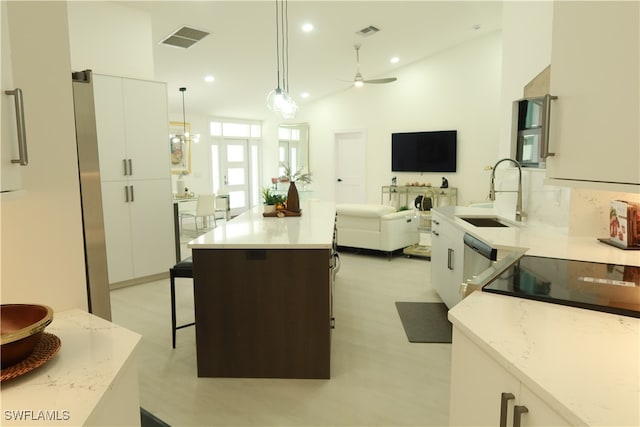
{"type": "Point", "coordinates": [269, 199]}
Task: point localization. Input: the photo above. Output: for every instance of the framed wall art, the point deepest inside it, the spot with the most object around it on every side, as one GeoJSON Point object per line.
{"type": "Point", "coordinates": [180, 148]}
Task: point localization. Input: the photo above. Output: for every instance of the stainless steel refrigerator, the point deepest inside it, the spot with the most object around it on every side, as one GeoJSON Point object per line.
{"type": "Point", "coordinates": [95, 251]}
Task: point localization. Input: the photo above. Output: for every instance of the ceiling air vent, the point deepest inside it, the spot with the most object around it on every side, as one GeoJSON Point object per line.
{"type": "Point", "coordinates": [368, 31]}
{"type": "Point", "coordinates": [184, 37]}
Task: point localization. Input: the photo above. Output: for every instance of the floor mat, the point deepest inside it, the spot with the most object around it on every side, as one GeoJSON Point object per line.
{"type": "Point", "coordinates": [425, 322]}
{"type": "Point", "coordinates": [147, 419]}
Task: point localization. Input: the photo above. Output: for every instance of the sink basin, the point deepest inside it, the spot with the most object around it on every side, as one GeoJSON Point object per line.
{"type": "Point", "coordinates": [484, 221]}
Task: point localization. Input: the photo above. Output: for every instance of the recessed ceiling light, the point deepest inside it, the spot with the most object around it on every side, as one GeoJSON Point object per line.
{"type": "Point", "coordinates": [304, 94]}
{"type": "Point", "coordinates": [209, 78]}
{"type": "Point", "coordinates": [307, 27]}
{"type": "Point", "coordinates": [476, 27]}
{"type": "Point", "coordinates": [394, 60]}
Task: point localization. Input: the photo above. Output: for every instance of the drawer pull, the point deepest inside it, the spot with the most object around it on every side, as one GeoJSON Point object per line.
{"type": "Point", "coordinates": [518, 410]}
{"type": "Point", "coordinates": [23, 158]}
{"type": "Point", "coordinates": [504, 399]}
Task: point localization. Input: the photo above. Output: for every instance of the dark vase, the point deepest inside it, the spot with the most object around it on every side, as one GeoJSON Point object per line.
{"type": "Point", "coordinates": [293, 201]}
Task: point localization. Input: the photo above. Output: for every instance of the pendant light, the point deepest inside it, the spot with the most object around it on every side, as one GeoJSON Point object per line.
{"type": "Point", "coordinates": [185, 134]}
{"type": "Point", "coordinates": [279, 100]}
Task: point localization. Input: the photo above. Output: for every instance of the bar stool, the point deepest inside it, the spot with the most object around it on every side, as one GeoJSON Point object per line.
{"type": "Point", "coordinates": [182, 269]}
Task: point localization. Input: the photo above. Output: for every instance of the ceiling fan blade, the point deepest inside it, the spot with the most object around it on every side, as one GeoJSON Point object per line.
{"type": "Point", "coordinates": [385, 80]}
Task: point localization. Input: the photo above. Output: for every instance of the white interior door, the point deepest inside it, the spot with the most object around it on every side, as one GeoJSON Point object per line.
{"type": "Point", "coordinates": [350, 170]}
{"type": "Point", "coordinates": [234, 164]}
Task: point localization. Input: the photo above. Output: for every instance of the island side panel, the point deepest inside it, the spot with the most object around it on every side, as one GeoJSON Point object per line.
{"type": "Point", "coordinates": [262, 313]}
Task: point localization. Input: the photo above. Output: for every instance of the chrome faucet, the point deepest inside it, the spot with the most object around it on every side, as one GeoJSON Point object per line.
{"type": "Point", "coordinates": [492, 188]}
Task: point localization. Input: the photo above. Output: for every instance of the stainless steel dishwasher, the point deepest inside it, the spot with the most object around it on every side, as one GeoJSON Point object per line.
{"type": "Point", "coordinates": [481, 264]}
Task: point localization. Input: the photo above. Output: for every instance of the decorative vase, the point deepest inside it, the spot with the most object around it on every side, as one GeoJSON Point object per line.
{"type": "Point", "coordinates": [180, 187]}
{"type": "Point", "coordinates": [293, 201]}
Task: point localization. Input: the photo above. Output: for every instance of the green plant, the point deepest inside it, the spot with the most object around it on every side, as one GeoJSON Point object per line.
{"type": "Point", "coordinates": [268, 197]}
{"type": "Point", "coordinates": [403, 208]}
{"type": "Point", "coordinates": [271, 198]}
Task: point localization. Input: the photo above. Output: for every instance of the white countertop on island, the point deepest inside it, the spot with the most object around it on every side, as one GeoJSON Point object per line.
{"type": "Point", "coordinates": [539, 240]}
{"type": "Point", "coordinates": [313, 229]}
{"type": "Point", "coordinates": [92, 380]}
{"type": "Point", "coordinates": [585, 364]}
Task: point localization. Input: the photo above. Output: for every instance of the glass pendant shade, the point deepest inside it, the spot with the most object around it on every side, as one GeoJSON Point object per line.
{"type": "Point", "coordinates": [275, 99]}
{"type": "Point", "coordinates": [278, 100]}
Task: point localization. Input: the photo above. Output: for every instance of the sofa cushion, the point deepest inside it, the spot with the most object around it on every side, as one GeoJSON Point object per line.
{"type": "Point", "coordinates": [362, 210]}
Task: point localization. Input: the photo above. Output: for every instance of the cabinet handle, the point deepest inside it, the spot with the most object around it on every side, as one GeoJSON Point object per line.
{"type": "Point", "coordinates": [518, 410]}
{"type": "Point", "coordinates": [131, 189]}
{"type": "Point", "coordinates": [23, 158]}
{"type": "Point", "coordinates": [130, 167]}
{"type": "Point", "coordinates": [126, 194]}
{"type": "Point", "coordinates": [435, 233]}
{"type": "Point", "coordinates": [436, 222]}
{"type": "Point", "coordinates": [546, 118]}
{"type": "Point", "coordinates": [504, 399]}
{"type": "Point", "coordinates": [450, 258]}
{"type": "Point", "coordinates": [124, 167]}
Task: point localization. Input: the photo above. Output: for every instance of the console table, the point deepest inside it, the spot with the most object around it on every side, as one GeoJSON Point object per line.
{"type": "Point", "coordinates": [262, 292]}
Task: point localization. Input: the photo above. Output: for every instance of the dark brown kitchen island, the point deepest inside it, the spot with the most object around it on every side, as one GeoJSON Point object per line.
{"type": "Point", "coordinates": [262, 291]}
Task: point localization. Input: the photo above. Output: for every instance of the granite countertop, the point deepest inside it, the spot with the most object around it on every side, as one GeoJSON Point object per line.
{"type": "Point", "coordinates": [538, 240]}
{"type": "Point", "coordinates": [585, 364]}
{"type": "Point", "coordinates": [251, 230]}
{"type": "Point", "coordinates": [71, 384]}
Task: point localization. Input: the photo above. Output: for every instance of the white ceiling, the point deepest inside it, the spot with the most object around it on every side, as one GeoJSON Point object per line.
{"type": "Point", "coordinates": [241, 49]}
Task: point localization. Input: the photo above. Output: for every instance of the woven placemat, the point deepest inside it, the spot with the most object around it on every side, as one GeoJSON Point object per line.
{"type": "Point", "coordinates": [46, 348]}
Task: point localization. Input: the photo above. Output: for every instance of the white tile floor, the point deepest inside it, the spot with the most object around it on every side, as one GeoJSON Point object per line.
{"type": "Point", "coordinates": [378, 377]}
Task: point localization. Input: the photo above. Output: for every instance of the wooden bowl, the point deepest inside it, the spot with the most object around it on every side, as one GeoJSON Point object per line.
{"type": "Point", "coordinates": [21, 327]}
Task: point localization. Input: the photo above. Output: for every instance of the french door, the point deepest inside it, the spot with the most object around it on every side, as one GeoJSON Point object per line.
{"type": "Point", "coordinates": [232, 173]}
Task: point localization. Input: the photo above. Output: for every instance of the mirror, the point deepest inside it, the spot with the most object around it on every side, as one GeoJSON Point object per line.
{"type": "Point", "coordinates": [293, 147]}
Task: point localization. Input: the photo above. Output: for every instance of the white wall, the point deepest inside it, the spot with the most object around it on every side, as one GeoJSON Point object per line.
{"type": "Point", "coordinates": [455, 89]}
{"type": "Point", "coordinates": [42, 242]}
{"type": "Point", "coordinates": [110, 39]}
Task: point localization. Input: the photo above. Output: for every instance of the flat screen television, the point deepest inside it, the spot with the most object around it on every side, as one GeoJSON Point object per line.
{"type": "Point", "coordinates": [434, 151]}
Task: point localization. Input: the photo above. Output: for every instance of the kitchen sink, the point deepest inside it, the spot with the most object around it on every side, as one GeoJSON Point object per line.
{"type": "Point", "coordinates": [484, 221]}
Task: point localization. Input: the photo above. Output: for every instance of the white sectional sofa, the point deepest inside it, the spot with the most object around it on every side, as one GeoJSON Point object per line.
{"type": "Point", "coordinates": [377, 227]}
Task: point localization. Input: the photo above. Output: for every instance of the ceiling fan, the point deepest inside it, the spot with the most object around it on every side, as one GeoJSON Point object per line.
{"type": "Point", "coordinates": [359, 81]}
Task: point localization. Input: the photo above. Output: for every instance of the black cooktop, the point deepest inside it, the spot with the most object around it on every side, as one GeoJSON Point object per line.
{"type": "Point", "coordinates": [595, 286]}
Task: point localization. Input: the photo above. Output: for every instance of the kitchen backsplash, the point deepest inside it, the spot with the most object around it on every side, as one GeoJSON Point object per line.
{"type": "Point", "coordinates": [542, 204]}
{"type": "Point", "coordinates": [590, 211]}
{"type": "Point", "coordinates": [570, 211]}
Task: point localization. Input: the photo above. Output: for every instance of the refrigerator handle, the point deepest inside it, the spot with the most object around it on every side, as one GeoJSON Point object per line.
{"type": "Point", "coordinates": [23, 159]}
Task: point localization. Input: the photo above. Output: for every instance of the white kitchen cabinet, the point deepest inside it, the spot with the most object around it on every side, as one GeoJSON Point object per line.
{"type": "Point", "coordinates": [11, 173]}
{"type": "Point", "coordinates": [132, 128]}
{"type": "Point", "coordinates": [477, 386]}
{"type": "Point", "coordinates": [447, 258]}
{"type": "Point", "coordinates": [595, 131]}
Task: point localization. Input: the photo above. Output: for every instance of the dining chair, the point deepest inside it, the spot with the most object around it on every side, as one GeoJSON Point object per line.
{"type": "Point", "coordinates": [205, 209]}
